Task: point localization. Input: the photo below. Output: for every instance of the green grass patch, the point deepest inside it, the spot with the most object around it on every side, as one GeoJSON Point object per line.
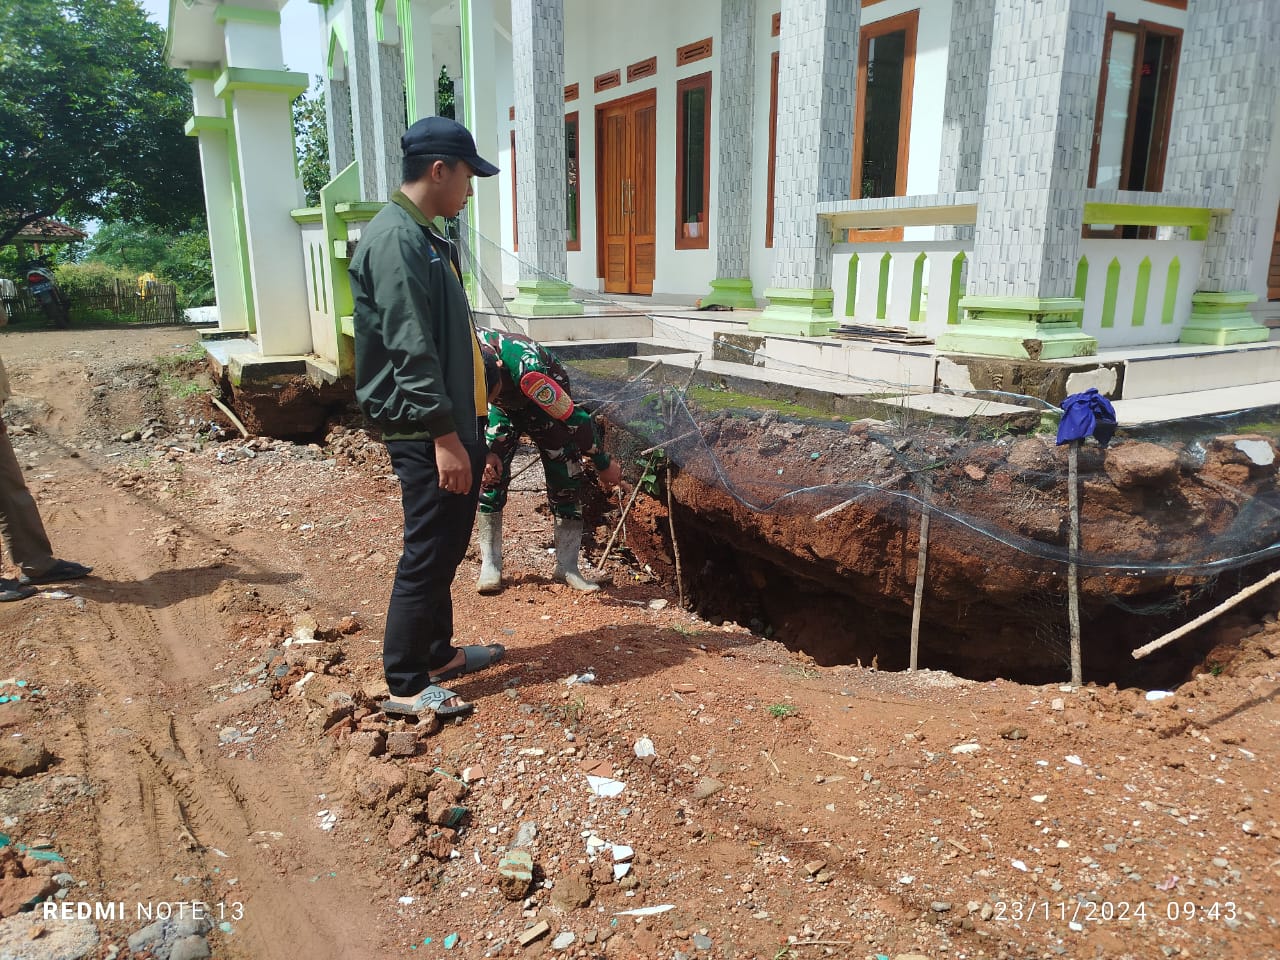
{"type": "Point", "coordinates": [713, 401]}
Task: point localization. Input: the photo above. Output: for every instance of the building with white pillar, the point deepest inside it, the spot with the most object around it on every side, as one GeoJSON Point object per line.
{"type": "Point", "coordinates": [1033, 180]}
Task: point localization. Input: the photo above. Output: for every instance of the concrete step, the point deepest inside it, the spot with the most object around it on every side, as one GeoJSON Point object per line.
{"type": "Point", "coordinates": [1260, 398]}
{"type": "Point", "coordinates": [1187, 369]}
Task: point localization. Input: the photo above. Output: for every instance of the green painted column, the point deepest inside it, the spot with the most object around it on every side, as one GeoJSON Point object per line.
{"type": "Point", "coordinates": [1222, 319]}
{"type": "Point", "coordinates": [735, 292]}
{"type": "Point", "coordinates": [1022, 328]}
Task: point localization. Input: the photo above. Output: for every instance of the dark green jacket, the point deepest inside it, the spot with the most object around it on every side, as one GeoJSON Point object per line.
{"type": "Point", "coordinates": [416, 352]}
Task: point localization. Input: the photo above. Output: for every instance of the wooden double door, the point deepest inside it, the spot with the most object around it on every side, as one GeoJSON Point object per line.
{"type": "Point", "coordinates": [626, 157]}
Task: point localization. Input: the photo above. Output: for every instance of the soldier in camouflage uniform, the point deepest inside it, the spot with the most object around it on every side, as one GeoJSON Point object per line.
{"type": "Point", "coordinates": [529, 395]}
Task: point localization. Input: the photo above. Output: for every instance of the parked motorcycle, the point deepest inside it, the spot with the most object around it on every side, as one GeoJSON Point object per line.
{"type": "Point", "coordinates": [47, 293]}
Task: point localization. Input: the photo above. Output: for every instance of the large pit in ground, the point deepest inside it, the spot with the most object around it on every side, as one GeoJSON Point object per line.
{"type": "Point", "coordinates": [807, 529]}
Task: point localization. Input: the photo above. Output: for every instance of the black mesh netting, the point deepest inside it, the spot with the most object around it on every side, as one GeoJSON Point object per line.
{"type": "Point", "coordinates": [826, 476]}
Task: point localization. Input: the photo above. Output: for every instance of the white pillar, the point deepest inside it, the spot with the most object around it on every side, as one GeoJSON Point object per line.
{"type": "Point", "coordinates": [210, 126]}
{"type": "Point", "coordinates": [386, 76]}
{"type": "Point", "coordinates": [484, 211]}
{"type": "Point", "coordinates": [261, 100]}
{"type": "Point", "coordinates": [419, 64]}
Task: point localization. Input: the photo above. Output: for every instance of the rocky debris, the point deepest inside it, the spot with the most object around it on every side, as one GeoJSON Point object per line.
{"type": "Point", "coordinates": [515, 874]}
{"type": "Point", "coordinates": [1141, 465]}
{"type": "Point", "coordinates": [175, 938]}
{"type": "Point", "coordinates": [23, 757]}
{"type": "Point", "coordinates": [26, 936]}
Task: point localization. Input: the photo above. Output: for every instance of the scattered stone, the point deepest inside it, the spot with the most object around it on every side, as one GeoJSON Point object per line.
{"type": "Point", "coordinates": [404, 830]}
{"type": "Point", "coordinates": [572, 893]}
{"type": "Point", "coordinates": [26, 937]}
{"type": "Point", "coordinates": [402, 743]}
{"type": "Point", "coordinates": [707, 787]}
{"type": "Point", "coordinates": [21, 757]}
{"type": "Point", "coordinates": [515, 875]}
{"type": "Point", "coordinates": [563, 940]}
{"type": "Point", "coordinates": [701, 942]}
{"type": "Point", "coordinates": [539, 929]}
{"type": "Point", "coordinates": [1058, 704]}
{"type": "Point", "coordinates": [19, 893]}
{"type": "Point", "coordinates": [813, 866]}
{"type": "Point", "coordinates": [190, 948]}
{"type": "Point", "coordinates": [975, 472]}
{"type": "Point", "coordinates": [1013, 733]}
{"type": "Point", "coordinates": [1132, 465]}
{"type": "Point", "coordinates": [940, 906]}
{"type": "Point", "coordinates": [525, 836]}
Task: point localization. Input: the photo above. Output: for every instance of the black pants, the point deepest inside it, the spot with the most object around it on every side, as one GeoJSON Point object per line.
{"type": "Point", "coordinates": [437, 530]}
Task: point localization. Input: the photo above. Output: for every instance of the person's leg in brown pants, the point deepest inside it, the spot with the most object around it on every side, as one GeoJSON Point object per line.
{"type": "Point", "coordinates": [21, 528]}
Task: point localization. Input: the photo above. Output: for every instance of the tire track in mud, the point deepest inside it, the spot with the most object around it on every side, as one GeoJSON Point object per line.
{"type": "Point", "coordinates": [147, 641]}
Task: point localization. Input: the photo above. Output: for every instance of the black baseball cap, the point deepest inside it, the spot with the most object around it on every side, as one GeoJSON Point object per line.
{"type": "Point", "coordinates": [447, 138]}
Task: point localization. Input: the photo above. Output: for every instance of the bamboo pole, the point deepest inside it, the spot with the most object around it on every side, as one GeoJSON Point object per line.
{"type": "Point", "coordinates": [231, 416]}
{"type": "Point", "coordinates": [1204, 618]}
{"type": "Point", "coordinates": [926, 491]}
{"type": "Point", "coordinates": [1073, 573]}
{"type": "Point", "coordinates": [635, 492]}
{"type": "Point", "coordinates": [675, 546]}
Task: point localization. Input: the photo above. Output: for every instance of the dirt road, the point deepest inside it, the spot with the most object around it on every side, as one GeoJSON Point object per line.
{"type": "Point", "coordinates": [787, 811]}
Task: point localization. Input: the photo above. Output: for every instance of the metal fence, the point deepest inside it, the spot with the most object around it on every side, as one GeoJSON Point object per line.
{"type": "Point", "coordinates": [152, 302]}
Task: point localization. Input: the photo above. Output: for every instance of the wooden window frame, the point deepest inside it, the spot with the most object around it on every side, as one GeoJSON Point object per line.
{"type": "Point", "coordinates": [571, 92]}
{"type": "Point", "coordinates": [773, 148]}
{"type": "Point", "coordinates": [775, 25]}
{"type": "Point", "coordinates": [910, 22]}
{"type": "Point", "coordinates": [702, 242]}
{"type": "Point", "coordinates": [1140, 29]}
{"type": "Point", "coordinates": [575, 245]}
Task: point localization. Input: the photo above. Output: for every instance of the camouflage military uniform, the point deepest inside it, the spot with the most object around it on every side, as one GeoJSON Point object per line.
{"type": "Point", "coordinates": [520, 409]}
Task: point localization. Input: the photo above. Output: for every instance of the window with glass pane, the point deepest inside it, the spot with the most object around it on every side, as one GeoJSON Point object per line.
{"type": "Point", "coordinates": [693, 98]}
{"type": "Point", "coordinates": [573, 210]}
{"type": "Point", "coordinates": [1135, 100]}
{"type": "Point", "coordinates": [886, 75]}
{"type": "Point", "coordinates": [882, 114]}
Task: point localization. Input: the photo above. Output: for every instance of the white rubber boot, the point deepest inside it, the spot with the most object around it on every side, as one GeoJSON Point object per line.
{"type": "Point", "coordinates": [489, 527]}
{"type": "Point", "coordinates": [568, 545]}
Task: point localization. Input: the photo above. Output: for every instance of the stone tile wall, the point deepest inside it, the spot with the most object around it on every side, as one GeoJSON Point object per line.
{"type": "Point", "coordinates": [732, 231]}
{"type": "Point", "coordinates": [1045, 60]}
{"type": "Point", "coordinates": [965, 103]}
{"type": "Point", "coordinates": [1228, 83]}
{"type": "Point", "coordinates": [537, 37]}
{"type": "Point", "coordinates": [817, 77]}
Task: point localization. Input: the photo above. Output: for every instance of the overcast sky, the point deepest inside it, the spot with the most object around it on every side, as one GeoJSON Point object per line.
{"type": "Point", "coordinates": [299, 28]}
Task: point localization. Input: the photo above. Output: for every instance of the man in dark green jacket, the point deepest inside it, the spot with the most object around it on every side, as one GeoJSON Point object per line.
{"type": "Point", "coordinates": [420, 379]}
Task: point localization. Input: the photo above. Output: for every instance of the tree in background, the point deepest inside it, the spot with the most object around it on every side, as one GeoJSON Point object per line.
{"type": "Point", "coordinates": [311, 140]}
{"type": "Point", "coordinates": [125, 250]}
{"type": "Point", "coordinates": [445, 104]}
{"type": "Point", "coordinates": [91, 118]}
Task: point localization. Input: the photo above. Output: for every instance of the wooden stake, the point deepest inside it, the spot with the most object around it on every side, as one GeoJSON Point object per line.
{"type": "Point", "coordinates": [675, 546]}
{"type": "Point", "coordinates": [1073, 574]}
{"type": "Point", "coordinates": [1206, 617]}
{"type": "Point", "coordinates": [926, 492]}
{"type": "Point", "coordinates": [635, 492]}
